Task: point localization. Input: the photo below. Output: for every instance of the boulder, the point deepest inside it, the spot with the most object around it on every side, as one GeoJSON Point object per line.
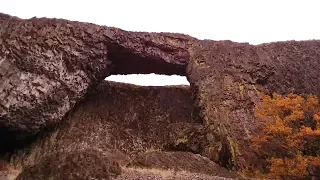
{"type": "Point", "coordinates": [46, 67]}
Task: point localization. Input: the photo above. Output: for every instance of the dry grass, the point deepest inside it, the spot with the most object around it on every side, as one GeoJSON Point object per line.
{"type": "Point", "coordinates": [164, 173]}
{"type": "Point", "coordinates": [136, 173]}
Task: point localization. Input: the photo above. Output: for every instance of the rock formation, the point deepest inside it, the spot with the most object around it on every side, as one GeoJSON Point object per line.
{"type": "Point", "coordinates": [47, 66]}
{"type": "Point", "coordinates": [126, 124]}
{"type": "Point", "coordinates": [226, 78]}
{"type": "Point", "coordinates": [118, 119]}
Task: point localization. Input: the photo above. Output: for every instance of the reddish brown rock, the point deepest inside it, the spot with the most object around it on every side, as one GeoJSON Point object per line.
{"type": "Point", "coordinates": [48, 65]}
{"type": "Point", "coordinates": [122, 121]}
{"type": "Point", "coordinates": [117, 119]}
{"type": "Point", "coordinates": [226, 78]}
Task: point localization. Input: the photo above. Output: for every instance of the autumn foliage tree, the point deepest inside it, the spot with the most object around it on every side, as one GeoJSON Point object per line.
{"type": "Point", "coordinates": [290, 139]}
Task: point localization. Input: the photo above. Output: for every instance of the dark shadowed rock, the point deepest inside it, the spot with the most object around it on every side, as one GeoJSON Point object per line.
{"type": "Point", "coordinates": [226, 78]}
{"type": "Point", "coordinates": [144, 53]}
{"type": "Point", "coordinates": [78, 165]}
{"type": "Point", "coordinates": [198, 139]}
{"type": "Point", "coordinates": [48, 65]}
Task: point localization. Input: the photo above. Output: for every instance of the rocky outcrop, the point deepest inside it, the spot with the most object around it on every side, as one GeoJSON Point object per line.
{"type": "Point", "coordinates": [45, 70]}
{"type": "Point", "coordinates": [48, 65]}
{"type": "Point", "coordinates": [226, 78]}
{"type": "Point", "coordinates": [122, 123]}
{"type": "Point", "coordinates": [117, 119]}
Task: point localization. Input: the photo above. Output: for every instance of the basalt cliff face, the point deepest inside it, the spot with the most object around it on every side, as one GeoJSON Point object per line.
{"type": "Point", "coordinates": [136, 127]}
{"type": "Point", "coordinates": [52, 73]}
{"type": "Point", "coordinates": [226, 78]}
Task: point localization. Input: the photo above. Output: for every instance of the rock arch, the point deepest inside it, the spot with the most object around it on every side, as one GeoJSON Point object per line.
{"type": "Point", "coordinates": [49, 65]}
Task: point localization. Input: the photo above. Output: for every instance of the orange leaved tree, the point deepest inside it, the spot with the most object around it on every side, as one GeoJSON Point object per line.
{"type": "Point", "coordinates": [290, 140]}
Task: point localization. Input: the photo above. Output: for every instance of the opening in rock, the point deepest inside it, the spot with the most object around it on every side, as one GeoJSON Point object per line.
{"type": "Point", "coordinates": [150, 79]}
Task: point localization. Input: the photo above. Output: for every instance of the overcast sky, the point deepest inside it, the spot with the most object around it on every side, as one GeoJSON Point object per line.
{"type": "Point", "coordinates": [253, 21]}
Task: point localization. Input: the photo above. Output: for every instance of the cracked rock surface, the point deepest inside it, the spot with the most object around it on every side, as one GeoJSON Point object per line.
{"type": "Point", "coordinates": [48, 65]}
{"type": "Point", "coordinates": [227, 77]}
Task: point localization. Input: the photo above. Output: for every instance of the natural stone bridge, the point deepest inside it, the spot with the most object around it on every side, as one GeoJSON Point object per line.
{"type": "Point", "coordinates": [47, 66]}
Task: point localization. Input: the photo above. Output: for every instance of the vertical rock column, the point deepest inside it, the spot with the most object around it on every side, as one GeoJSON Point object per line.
{"type": "Point", "coordinates": [226, 79]}
{"type": "Point", "coordinates": [222, 77]}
